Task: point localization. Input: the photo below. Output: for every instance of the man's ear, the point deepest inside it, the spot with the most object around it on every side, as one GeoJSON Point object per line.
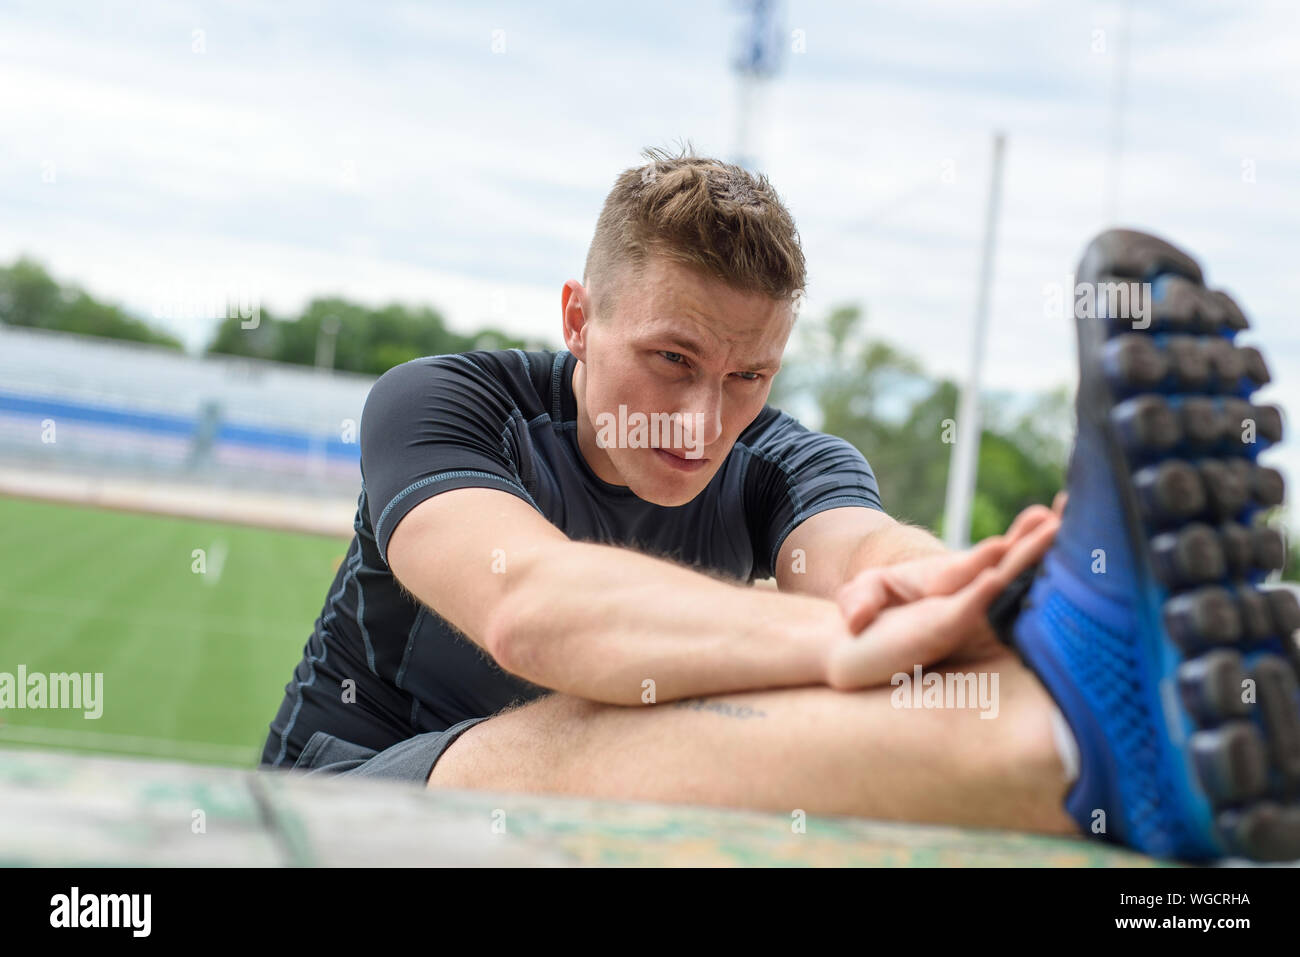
{"type": "Point", "coordinates": [575, 304]}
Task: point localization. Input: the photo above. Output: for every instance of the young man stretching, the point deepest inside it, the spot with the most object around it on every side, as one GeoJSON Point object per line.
{"type": "Point", "coordinates": [586, 523]}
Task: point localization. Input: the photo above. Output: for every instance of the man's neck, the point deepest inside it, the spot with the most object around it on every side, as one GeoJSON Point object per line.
{"type": "Point", "coordinates": [596, 457]}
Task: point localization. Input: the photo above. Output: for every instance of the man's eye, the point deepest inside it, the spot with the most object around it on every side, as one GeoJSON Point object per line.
{"type": "Point", "coordinates": [674, 357]}
{"type": "Point", "coordinates": [748, 376]}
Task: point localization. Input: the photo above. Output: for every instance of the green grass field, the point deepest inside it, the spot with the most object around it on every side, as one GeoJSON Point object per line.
{"type": "Point", "coordinates": [194, 664]}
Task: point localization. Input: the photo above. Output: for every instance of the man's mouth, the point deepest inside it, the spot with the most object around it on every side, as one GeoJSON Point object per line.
{"type": "Point", "coordinates": [680, 462]}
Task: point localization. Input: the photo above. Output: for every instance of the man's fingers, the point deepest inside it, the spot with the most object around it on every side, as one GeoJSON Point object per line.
{"type": "Point", "coordinates": [962, 567]}
{"type": "Point", "coordinates": [918, 633]}
{"type": "Point", "coordinates": [1029, 549]}
{"type": "Point", "coordinates": [926, 631]}
{"type": "Point", "coordinates": [1022, 555]}
{"type": "Point", "coordinates": [864, 598]}
{"type": "Point", "coordinates": [1028, 519]}
{"type": "Point", "coordinates": [977, 598]}
{"type": "Point", "coordinates": [1058, 503]}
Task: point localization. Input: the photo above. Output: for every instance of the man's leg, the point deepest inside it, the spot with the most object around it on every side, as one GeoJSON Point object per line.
{"type": "Point", "coordinates": [816, 749]}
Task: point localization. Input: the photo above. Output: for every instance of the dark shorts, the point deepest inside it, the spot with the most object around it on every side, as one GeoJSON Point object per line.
{"type": "Point", "coordinates": [410, 760]}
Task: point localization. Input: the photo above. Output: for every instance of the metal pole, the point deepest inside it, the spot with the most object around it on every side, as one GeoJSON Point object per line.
{"type": "Point", "coordinates": [757, 59]}
{"type": "Point", "coordinates": [1119, 102]}
{"type": "Point", "coordinates": [744, 156]}
{"type": "Point", "coordinates": [325, 336]}
{"type": "Point", "coordinates": [965, 450]}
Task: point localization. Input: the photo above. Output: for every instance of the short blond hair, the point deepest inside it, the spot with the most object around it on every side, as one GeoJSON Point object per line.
{"type": "Point", "coordinates": [714, 217]}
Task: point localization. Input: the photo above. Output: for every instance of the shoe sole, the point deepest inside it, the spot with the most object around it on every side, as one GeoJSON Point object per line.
{"type": "Point", "coordinates": [1171, 391]}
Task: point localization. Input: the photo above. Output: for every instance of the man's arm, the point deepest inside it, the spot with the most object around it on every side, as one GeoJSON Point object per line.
{"type": "Point", "coordinates": [598, 621]}
{"type": "Point", "coordinates": [832, 547]}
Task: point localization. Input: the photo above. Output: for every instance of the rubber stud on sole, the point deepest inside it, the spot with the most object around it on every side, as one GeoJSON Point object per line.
{"type": "Point", "coordinates": [1198, 619]}
{"type": "Point", "coordinates": [1225, 488]}
{"type": "Point", "coordinates": [1146, 425]}
{"type": "Point", "coordinates": [1133, 363]}
{"type": "Point", "coordinates": [1232, 762]}
{"type": "Point", "coordinates": [1211, 687]}
{"type": "Point", "coordinates": [1188, 362]}
{"type": "Point", "coordinates": [1263, 832]}
{"type": "Point", "coordinates": [1191, 556]}
{"type": "Point", "coordinates": [1256, 620]}
{"type": "Point", "coordinates": [1170, 492]}
{"type": "Point", "coordinates": [1276, 687]}
{"type": "Point", "coordinates": [1269, 549]}
{"type": "Point", "coordinates": [1267, 487]}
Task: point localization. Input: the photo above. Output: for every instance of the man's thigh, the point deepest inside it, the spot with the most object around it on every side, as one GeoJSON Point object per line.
{"type": "Point", "coordinates": [867, 752]}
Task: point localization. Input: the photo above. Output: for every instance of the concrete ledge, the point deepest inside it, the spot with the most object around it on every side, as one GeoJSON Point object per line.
{"type": "Point", "coordinates": [65, 810]}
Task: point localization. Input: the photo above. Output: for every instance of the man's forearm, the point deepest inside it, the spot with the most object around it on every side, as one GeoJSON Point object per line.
{"type": "Point", "coordinates": [617, 626]}
{"type": "Point", "coordinates": [893, 544]}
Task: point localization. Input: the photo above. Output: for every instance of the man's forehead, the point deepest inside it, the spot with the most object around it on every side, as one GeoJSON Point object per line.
{"type": "Point", "coordinates": [685, 292]}
{"type": "Point", "coordinates": [670, 301]}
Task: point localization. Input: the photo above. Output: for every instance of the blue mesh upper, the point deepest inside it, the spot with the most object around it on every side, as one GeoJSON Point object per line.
{"type": "Point", "coordinates": [1108, 674]}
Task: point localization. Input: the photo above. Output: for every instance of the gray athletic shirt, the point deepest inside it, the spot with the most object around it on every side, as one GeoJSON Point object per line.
{"type": "Point", "coordinates": [506, 420]}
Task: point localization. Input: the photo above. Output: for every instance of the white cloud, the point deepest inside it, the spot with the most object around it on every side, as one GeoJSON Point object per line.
{"type": "Point", "coordinates": [386, 152]}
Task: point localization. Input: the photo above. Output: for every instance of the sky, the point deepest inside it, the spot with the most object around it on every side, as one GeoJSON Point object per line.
{"type": "Point", "coordinates": [163, 155]}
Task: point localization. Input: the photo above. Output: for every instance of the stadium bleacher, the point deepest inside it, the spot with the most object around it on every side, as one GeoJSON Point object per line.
{"type": "Point", "coordinates": [77, 403]}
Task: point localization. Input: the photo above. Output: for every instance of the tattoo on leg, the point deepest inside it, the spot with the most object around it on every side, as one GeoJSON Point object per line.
{"type": "Point", "coordinates": [725, 708]}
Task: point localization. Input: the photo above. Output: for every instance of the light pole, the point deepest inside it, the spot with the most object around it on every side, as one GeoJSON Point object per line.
{"type": "Point", "coordinates": [326, 336]}
{"type": "Point", "coordinates": [964, 463]}
{"type": "Point", "coordinates": [756, 60]}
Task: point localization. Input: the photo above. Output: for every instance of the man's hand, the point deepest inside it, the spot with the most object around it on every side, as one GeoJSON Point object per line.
{"type": "Point", "coordinates": [870, 592]}
{"type": "Point", "coordinates": [935, 625]}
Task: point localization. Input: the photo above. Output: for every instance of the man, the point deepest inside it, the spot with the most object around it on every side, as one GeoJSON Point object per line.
{"type": "Point", "coordinates": [586, 523]}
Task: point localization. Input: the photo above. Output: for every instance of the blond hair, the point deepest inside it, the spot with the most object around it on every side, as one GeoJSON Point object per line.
{"type": "Point", "coordinates": [714, 217]}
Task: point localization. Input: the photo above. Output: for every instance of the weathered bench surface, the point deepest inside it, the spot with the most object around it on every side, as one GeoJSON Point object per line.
{"type": "Point", "coordinates": [67, 810]}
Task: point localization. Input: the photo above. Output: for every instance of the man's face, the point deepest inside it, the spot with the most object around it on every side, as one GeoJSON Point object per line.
{"type": "Point", "coordinates": [671, 376]}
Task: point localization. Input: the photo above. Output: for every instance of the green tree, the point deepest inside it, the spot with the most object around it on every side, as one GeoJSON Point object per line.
{"type": "Point", "coordinates": [1291, 571]}
{"type": "Point", "coordinates": [30, 297]}
{"type": "Point", "coordinates": [882, 400]}
{"type": "Point", "coordinates": [366, 340]}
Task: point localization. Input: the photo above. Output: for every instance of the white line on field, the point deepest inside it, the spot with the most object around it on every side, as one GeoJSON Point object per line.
{"type": "Point", "coordinates": [105, 741]}
{"type": "Point", "coordinates": [216, 562]}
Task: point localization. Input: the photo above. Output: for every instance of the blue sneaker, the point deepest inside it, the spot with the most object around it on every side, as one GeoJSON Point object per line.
{"type": "Point", "coordinates": [1146, 621]}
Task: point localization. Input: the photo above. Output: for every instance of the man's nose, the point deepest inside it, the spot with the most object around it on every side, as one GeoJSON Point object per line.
{"type": "Point", "coordinates": [704, 412]}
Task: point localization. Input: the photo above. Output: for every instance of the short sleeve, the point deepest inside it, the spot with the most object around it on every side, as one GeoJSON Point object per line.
{"type": "Point", "coordinates": [794, 473]}
{"type": "Point", "coordinates": [429, 426]}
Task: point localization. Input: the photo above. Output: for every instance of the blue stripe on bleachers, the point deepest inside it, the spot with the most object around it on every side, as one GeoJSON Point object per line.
{"type": "Point", "coordinates": [174, 425]}
{"type": "Point", "coordinates": [102, 415]}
